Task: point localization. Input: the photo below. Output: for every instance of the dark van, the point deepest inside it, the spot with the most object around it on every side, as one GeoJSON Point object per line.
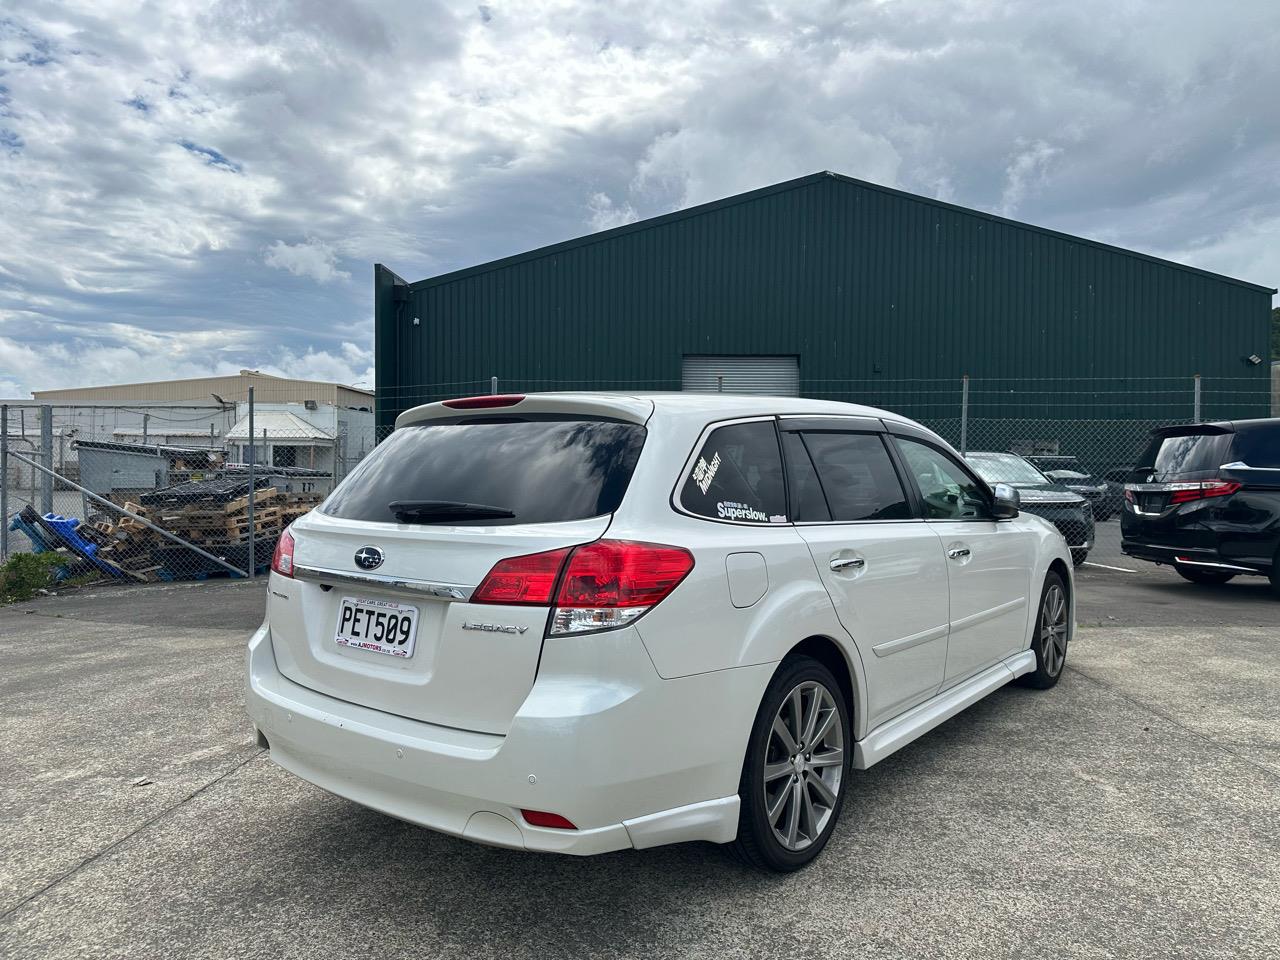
{"type": "Point", "coordinates": [1205, 499]}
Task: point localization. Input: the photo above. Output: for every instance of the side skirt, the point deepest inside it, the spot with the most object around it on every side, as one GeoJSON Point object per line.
{"type": "Point", "coordinates": [919, 720]}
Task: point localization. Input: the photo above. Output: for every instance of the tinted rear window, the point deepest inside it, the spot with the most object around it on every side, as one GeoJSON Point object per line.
{"type": "Point", "coordinates": [542, 469]}
{"type": "Point", "coordinates": [737, 475]}
{"type": "Point", "coordinates": [1178, 456]}
{"type": "Point", "coordinates": [1259, 446]}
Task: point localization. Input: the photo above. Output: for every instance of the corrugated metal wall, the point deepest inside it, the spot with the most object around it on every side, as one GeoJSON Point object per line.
{"type": "Point", "coordinates": [863, 284]}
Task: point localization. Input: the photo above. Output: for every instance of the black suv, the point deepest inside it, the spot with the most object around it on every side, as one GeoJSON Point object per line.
{"type": "Point", "coordinates": [1205, 498]}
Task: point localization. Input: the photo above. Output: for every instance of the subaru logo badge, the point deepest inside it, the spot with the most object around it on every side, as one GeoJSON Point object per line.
{"type": "Point", "coordinates": [368, 558]}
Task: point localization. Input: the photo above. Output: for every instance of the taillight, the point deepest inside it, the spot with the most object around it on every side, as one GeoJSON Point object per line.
{"type": "Point", "coordinates": [610, 583]}
{"type": "Point", "coordinates": [282, 559]}
{"type": "Point", "coordinates": [1130, 495]}
{"type": "Point", "coordinates": [1190, 492]}
{"type": "Point", "coordinates": [482, 403]}
{"type": "Point", "coordinates": [602, 585]}
{"type": "Point", "coordinates": [522, 580]}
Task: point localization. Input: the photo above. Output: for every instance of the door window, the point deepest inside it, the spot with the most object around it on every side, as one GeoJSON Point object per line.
{"type": "Point", "coordinates": [737, 475]}
{"type": "Point", "coordinates": [948, 490]}
{"type": "Point", "coordinates": [857, 476]}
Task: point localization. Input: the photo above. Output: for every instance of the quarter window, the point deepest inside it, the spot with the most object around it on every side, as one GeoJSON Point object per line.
{"type": "Point", "coordinates": [857, 476]}
{"type": "Point", "coordinates": [948, 490]}
{"type": "Point", "coordinates": [737, 475]}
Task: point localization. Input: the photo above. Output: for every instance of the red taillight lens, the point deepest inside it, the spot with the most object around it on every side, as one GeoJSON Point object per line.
{"type": "Point", "coordinates": [522, 580]}
{"type": "Point", "coordinates": [481, 403]}
{"type": "Point", "coordinates": [539, 818]}
{"type": "Point", "coordinates": [621, 573]}
{"type": "Point", "coordinates": [603, 585]}
{"type": "Point", "coordinates": [282, 559]}
{"type": "Point", "coordinates": [610, 583]}
{"type": "Point", "coordinates": [1190, 492]}
{"type": "Point", "coordinates": [1130, 495]}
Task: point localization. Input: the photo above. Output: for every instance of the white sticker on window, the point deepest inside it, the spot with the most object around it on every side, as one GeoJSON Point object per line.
{"type": "Point", "coordinates": [731, 510]}
{"type": "Point", "coordinates": [704, 473]}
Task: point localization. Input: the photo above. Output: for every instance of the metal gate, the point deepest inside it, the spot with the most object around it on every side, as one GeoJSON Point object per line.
{"type": "Point", "coordinates": [770, 376]}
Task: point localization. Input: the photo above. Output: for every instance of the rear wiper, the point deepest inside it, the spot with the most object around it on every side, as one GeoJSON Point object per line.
{"type": "Point", "coordinates": [433, 511]}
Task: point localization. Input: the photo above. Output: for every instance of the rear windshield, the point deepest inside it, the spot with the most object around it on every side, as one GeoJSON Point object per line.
{"type": "Point", "coordinates": [542, 469]}
{"type": "Point", "coordinates": [1179, 456]}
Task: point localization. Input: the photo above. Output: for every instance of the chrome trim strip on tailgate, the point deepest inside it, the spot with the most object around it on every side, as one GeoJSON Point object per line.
{"type": "Point", "coordinates": [437, 591]}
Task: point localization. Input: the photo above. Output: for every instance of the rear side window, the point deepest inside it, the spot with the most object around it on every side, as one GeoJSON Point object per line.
{"type": "Point", "coordinates": [1181, 456]}
{"type": "Point", "coordinates": [857, 476]}
{"type": "Point", "coordinates": [1259, 446]}
{"type": "Point", "coordinates": [541, 469]}
{"type": "Point", "coordinates": [737, 475]}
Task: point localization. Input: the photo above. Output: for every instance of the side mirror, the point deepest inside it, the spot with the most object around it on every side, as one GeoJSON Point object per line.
{"type": "Point", "coordinates": [1007, 503]}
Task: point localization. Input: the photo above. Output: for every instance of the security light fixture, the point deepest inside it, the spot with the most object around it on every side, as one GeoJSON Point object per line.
{"type": "Point", "coordinates": [1253, 359]}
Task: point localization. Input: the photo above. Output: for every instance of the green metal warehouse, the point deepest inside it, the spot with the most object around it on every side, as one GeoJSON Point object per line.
{"type": "Point", "coordinates": [832, 287]}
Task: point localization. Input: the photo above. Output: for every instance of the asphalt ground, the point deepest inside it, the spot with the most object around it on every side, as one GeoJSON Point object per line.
{"type": "Point", "coordinates": [1132, 811]}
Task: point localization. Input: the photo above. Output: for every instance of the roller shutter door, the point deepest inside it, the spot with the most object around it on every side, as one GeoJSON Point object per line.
{"type": "Point", "coordinates": [771, 376]}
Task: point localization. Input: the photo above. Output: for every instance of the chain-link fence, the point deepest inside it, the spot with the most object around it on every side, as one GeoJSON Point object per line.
{"type": "Point", "coordinates": [138, 495]}
{"type": "Point", "coordinates": [127, 494]}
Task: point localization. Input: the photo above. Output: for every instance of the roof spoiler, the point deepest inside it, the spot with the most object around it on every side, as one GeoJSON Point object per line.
{"type": "Point", "coordinates": [1193, 430]}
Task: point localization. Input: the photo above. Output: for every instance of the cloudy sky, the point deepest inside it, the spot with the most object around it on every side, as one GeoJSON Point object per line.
{"type": "Point", "coordinates": [190, 187]}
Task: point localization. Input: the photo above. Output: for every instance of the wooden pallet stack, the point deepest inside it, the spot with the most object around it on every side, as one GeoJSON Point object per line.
{"type": "Point", "coordinates": [218, 527]}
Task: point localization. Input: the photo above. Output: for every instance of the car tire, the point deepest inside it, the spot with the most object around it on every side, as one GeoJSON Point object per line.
{"type": "Point", "coordinates": [804, 815]}
{"type": "Point", "coordinates": [1079, 556]}
{"type": "Point", "coordinates": [1274, 576]}
{"type": "Point", "coordinates": [1051, 634]}
{"type": "Point", "coordinates": [1202, 576]}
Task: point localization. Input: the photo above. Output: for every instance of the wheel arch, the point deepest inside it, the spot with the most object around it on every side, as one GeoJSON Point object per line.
{"type": "Point", "coordinates": [846, 670]}
{"type": "Point", "coordinates": [1059, 566]}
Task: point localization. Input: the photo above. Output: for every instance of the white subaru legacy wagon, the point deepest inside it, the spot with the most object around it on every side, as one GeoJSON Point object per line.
{"type": "Point", "coordinates": [582, 622]}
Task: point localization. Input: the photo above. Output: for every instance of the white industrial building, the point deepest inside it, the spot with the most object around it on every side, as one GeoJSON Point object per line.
{"type": "Point", "coordinates": [307, 423]}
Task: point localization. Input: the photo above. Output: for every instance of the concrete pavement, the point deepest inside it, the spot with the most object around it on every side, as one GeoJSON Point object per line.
{"type": "Point", "coordinates": [1133, 811]}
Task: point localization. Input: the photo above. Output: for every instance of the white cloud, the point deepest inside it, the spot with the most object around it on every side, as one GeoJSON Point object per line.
{"type": "Point", "coordinates": [311, 258]}
{"type": "Point", "coordinates": [1028, 169]}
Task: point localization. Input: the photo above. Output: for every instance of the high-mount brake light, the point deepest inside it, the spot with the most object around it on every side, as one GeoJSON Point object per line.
{"type": "Point", "coordinates": [602, 585]}
{"type": "Point", "coordinates": [486, 402]}
{"type": "Point", "coordinates": [282, 559]}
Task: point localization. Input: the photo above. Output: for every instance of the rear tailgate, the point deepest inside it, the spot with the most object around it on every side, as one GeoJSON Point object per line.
{"type": "Point", "coordinates": [471, 665]}
{"type": "Point", "coordinates": [379, 609]}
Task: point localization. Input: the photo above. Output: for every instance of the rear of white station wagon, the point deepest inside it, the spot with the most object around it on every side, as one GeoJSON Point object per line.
{"type": "Point", "coordinates": [589, 622]}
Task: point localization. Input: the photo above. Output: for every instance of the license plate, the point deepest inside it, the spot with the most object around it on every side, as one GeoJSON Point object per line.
{"type": "Point", "coordinates": [382, 626]}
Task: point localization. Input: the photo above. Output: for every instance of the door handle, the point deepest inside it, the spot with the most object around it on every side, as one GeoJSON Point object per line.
{"type": "Point", "coordinates": [958, 553]}
{"type": "Point", "coordinates": [848, 563]}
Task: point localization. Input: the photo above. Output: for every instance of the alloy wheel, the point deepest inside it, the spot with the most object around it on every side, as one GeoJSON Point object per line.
{"type": "Point", "coordinates": [804, 765]}
{"type": "Point", "coordinates": [1053, 630]}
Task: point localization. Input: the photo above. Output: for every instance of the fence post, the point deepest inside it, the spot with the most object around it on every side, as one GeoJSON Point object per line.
{"type": "Point", "coordinates": [146, 420]}
{"type": "Point", "coordinates": [46, 454]}
{"type": "Point", "coordinates": [253, 446]}
{"type": "Point", "coordinates": [493, 386]}
{"type": "Point", "coordinates": [1196, 408]}
{"type": "Point", "coordinates": [964, 414]}
{"type": "Point", "coordinates": [4, 482]}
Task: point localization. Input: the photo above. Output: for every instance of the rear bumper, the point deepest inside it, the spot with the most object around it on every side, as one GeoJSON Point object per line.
{"type": "Point", "coordinates": [1205, 558]}
{"type": "Point", "coordinates": [614, 757]}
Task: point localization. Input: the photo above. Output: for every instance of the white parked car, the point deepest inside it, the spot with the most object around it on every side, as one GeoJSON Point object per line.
{"type": "Point", "coordinates": [587, 622]}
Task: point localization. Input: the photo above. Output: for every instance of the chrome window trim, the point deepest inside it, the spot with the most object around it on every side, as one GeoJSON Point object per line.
{"type": "Point", "coordinates": [435, 590]}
